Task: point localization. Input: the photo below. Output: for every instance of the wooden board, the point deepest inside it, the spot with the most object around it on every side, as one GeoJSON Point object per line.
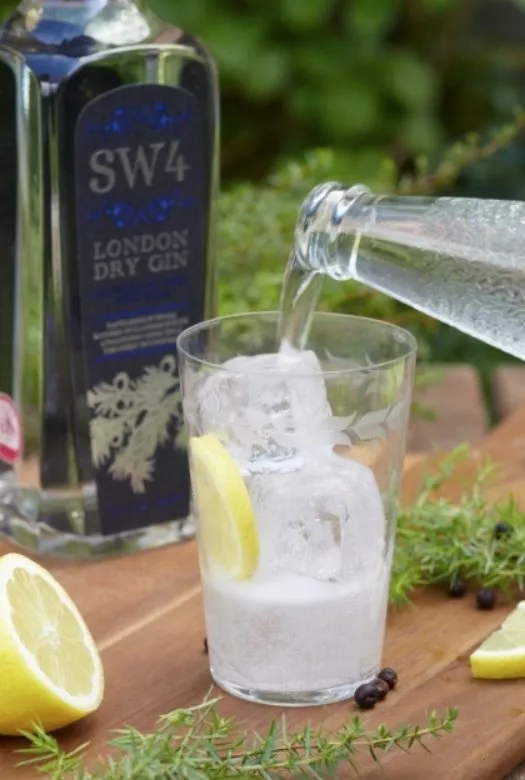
{"type": "Point", "coordinates": [145, 613]}
{"type": "Point", "coordinates": [508, 388]}
{"type": "Point", "coordinates": [456, 399]}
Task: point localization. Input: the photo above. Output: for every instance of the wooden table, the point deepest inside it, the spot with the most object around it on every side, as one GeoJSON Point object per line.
{"type": "Point", "coordinates": [145, 613]}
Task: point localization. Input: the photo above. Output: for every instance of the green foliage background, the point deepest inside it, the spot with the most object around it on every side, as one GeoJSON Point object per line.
{"type": "Point", "coordinates": [364, 76]}
{"type": "Point", "coordinates": [368, 91]}
{"type": "Point", "coordinates": [381, 84]}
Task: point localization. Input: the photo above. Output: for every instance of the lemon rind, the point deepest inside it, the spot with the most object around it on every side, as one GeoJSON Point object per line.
{"type": "Point", "coordinates": [515, 652]}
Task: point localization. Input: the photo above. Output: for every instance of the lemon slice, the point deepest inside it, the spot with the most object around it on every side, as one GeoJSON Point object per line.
{"type": "Point", "coordinates": [50, 669]}
{"type": "Point", "coordinates": [502, 655]}
{"type": "Point", "coordinates": [227, 525]}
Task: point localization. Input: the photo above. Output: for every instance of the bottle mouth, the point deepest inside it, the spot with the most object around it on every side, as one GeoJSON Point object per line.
{"type": "Point", "coordinates": [330, 194]}
{"type": "Point", "coordinates": [320, 218]}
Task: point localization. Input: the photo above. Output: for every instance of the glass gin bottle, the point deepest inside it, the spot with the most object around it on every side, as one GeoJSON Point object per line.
{"type": "Point", "coordinates": [108, 183]}
{"type": "Point", "coordinates": [460, 260]}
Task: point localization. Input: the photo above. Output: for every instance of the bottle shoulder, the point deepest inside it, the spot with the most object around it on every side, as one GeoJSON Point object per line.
{"type": "Point", "coordinates": [90, 28]}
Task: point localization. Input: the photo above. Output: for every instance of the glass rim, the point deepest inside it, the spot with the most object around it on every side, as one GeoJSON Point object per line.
{"type": "Point", "coordinates": [408, 338]}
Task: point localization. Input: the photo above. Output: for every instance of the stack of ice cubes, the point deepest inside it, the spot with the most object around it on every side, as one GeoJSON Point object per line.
{"type": "Point", "coordinates": [318, 514]}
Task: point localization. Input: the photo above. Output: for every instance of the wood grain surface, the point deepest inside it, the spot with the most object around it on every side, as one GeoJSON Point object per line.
{"type": "Point", "coordinates": [145, 613]}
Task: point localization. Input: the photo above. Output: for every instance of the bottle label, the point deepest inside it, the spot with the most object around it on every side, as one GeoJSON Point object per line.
{"type": "Point", "coordinates": [11, 434]}
{"type": "Point", "coordinates": [141, 236]}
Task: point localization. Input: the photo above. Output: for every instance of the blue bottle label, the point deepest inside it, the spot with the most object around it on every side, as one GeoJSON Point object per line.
{"type": "Point", "coordinates": [142, 239]}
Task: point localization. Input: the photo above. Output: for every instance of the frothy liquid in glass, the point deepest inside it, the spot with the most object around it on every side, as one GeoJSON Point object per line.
{"type": "Point", "coordinates": [285, 633]}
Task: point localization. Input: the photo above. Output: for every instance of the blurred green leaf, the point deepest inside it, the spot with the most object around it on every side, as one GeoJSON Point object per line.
{"type": "Point", "coordinates": [410, 80]}
{"type": "Point", "coordinates": [348, 109]}
{"type": "Point", "coordinates": [305, 14]}
{"type": "Point", "coordinates": [439, 5]}
{"type": "Point", "coordinates": [6, 9]}
{"type": "Point", "coordinates": [189, 15]}
{"type": "Point", "coordinates": [371, 20]}
{"type": "Point", "coordinates": [234, 43]}
{"type": "Point", "coordinates": [421, 133]}
{"type": "Point", "coordinates": [314, 59]}
{"type": "Point", "coordinates": [266, 73]}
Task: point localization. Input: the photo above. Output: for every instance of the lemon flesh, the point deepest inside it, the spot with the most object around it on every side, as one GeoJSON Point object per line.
{"type": "Point", "coordinates": [50, 670]}
{"type": "Point", "coordinates": [502, 655]}
{"type": "Point", "coordinates": [227, 526]}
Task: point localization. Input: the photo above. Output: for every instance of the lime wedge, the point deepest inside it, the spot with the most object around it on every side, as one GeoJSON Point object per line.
{"type": "Point", "coordinates": [502, 655]}
{"type": "Point", "coordinates": [227, 525]}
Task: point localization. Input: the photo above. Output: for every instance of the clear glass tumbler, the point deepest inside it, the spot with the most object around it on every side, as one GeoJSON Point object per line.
{"type": "Point", "coordinates": [296, 460]}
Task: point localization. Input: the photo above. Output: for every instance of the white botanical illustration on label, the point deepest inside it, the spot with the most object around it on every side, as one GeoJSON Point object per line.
{"type": "Point", "coordinates": [132, 418]}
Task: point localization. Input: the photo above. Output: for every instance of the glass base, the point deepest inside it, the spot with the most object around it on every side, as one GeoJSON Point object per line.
{"type": "Point", "coordinates": [65, 524]}
{"type": "Point", "coordinates": [41, 539]}
{"type": "Point", "coordinates": [292, 698]}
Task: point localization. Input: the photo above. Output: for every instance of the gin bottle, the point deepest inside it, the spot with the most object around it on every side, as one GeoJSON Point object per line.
{"type": "Point", "coordinates": [460, 260]}
{"type": "Point", "coordinates": [108, 182]}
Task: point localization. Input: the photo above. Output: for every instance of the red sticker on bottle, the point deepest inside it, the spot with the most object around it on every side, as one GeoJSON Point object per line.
{"type": "Point", "coordinates": [10, 430]}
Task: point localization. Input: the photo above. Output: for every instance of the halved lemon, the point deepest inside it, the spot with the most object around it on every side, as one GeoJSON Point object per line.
{"type": "Point", "coordinates": [502, 655]}
{"type": "Point", "coordinates": [50, 670]}
{"type": "Point", "coordinates": [227, 525]}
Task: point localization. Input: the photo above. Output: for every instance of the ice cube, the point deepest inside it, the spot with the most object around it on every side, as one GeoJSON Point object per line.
{"type": "Point", "coordinates": [325, 520]}
{"type": "Point", "coordinates": [266, 407]}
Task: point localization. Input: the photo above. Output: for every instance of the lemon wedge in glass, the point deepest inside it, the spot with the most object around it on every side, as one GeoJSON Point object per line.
{"type": "Point", "coordinates": [227, 526]}
{"type": "Point", "coordinates": [50, 670]}
{"type": "Point", "coordinates": [502, 655]}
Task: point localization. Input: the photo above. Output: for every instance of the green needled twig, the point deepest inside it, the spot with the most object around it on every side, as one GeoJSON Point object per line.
{"type": "Point", "coordinates": [199, 744]}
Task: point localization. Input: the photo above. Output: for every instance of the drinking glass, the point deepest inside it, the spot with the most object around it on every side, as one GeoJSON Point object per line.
{"type": "Point", "coordinates": [296, 459]}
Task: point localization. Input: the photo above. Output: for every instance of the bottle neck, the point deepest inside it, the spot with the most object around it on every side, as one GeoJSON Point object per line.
{"type": "Point", "coordinates": [332, 212]}
{"type": "Point", "coordinates": [324, 214]}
